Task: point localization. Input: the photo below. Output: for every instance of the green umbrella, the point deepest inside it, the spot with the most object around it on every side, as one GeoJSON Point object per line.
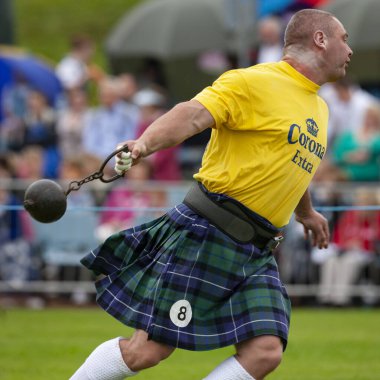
{"type": "Point", "coordinates": [176, 33]}
{"type": "Point", "coordinates": [167, 29]}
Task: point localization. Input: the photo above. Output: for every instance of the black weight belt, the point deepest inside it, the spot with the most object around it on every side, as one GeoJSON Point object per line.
{"type": "Point", "coordinates": [230, 217]}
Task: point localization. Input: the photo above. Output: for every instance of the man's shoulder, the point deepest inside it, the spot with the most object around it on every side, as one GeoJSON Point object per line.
{"type": "Point", "coordinates": [265, 67]}
{"type": "Point", "coordinates": [245, 73]}
{"type": "Point", "coordinates": [260, 69]}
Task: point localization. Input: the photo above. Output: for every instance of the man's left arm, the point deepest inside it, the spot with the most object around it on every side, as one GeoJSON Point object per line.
{"type": "Point", "coordinates": [312, 221]}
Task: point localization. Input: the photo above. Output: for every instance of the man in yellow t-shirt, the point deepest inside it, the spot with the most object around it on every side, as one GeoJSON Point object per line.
{"type": "Point", "coordinates": [203, 275]}
{"type": "Point", "coordinates": [269, 122]}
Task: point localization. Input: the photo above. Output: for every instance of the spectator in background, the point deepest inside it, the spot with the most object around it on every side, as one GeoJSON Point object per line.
{"type": "Point", "coordinates": [30, 163]}
{"type": "Point", "coordinates": [71, 121]}
{"type": "Point", "coordinates": [40, 130]}
{"type": "Point", "coordinates": [152, 104]}
{"type": "Point", "coordinates": [133, 198]}
{"type": "Point", "coordinates": [128, 87]}
{"type": "Point", "coordinates": [347, 104]}
{"type": "Point", "coordinates": [271, 43]}
{"type": "Point", "coordinates": [356, 153]}
{"type": "Point", "coordinates": [39, 122]}
{"type": "Point", "coordinates": [75, 69]}
{"type": "Point", "coordinates": [14, 103]}
{"type": "Point", "coordinates": [17, 263]}
{"type": "Point", "coordinates": [165, 163]}
{"type": "Point", "coordinates": [11, 134]}
{"type": "Point", "coordinates": [73, 169]}
{"type": "Point", "coordinates": [152, 73]}
{"type": "Point", "coordinates": [113, 121]}
{"type": "Point", "coordinates": [354, 242]}
{"type": "Point", "coordinates": [14, 97]}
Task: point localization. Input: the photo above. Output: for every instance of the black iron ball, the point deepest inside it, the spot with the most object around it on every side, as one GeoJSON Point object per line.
{"type": "Point", "coordinates": [45, 201]}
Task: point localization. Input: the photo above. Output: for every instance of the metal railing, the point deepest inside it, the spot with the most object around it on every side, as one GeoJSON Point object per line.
{"type": "Point", "coordinates": [173, 194]}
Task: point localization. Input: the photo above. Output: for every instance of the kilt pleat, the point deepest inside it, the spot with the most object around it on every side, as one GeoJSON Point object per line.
{"type": "Point", "coordinates": [189, 285]}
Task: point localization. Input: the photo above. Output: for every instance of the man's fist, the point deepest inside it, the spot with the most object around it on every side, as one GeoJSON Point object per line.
{"type": "Point", "coordinates": [123, 162]}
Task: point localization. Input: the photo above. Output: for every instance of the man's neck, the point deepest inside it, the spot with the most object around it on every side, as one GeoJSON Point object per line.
{"type": "Point", "coordinates": [307, 66]}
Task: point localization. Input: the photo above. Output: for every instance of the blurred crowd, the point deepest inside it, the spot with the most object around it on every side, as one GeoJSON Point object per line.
{"type": "Point", "coordinates": [72, 127]}
{"type": "Point", "coordinates": [68, 140]}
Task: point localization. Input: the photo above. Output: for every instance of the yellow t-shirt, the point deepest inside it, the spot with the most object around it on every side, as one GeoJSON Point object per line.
{"type": "Point", "coordinates": [269, 137]}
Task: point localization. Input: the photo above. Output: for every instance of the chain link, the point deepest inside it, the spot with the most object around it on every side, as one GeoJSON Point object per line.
{"type": "Point", "coordinates": [76, 185]}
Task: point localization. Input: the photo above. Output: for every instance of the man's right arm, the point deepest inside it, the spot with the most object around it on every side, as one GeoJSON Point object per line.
{"type": "Point", "coordinates": [181, 122]}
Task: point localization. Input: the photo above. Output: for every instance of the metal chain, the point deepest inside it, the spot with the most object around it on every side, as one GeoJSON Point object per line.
{"type": "Point", "coordinates": [76, 185]}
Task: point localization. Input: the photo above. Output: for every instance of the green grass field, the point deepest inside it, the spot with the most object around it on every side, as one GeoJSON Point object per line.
{"type": "Point", "coordinates": [324, 344]}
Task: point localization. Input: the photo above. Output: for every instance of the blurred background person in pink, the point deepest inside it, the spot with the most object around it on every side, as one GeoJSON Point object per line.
{"type": "Point", "coordinates": [134, 195]}
{"type": "Point", "coordinates": [165, 163]}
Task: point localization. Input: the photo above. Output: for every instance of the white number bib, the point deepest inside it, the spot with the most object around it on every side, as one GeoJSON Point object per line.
{"type": "Point", "coordinates": [181, 313]}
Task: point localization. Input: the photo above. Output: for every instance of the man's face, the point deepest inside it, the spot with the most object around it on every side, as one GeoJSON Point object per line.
{"type": "Point", "coordinates": [338, 52]}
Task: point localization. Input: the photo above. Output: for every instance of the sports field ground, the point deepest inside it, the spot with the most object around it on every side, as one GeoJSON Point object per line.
{"type": "Point", "coordinates": [324, 344]}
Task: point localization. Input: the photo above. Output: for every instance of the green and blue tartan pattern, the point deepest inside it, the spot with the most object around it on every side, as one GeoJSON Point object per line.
{"type": "Point", "coordinates": [234, 289]}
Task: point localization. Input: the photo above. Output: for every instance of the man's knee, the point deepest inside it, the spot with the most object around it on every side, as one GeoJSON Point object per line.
{"type": "Point", "coordinates": [139, 360]}
{"type": "Point", "coordinates": [270, 352]}
{"type": "Point", "coordinates": [140, 353]}
{"type": "Point", "coordinates": [261, 355]}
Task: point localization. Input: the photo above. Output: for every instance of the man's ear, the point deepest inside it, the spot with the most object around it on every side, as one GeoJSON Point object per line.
{"type": "Point", "coordinates": [320, 39]}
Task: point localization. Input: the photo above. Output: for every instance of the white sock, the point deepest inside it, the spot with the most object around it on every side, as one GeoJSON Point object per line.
{"type": "Point", "coordinates": [104, 363]}
{"type": "Point", "coordinates": [230, 369]}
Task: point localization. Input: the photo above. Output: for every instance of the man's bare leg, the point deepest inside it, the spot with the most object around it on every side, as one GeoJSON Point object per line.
{"type": "Point", "coordinates": [140, 353]}
{"type": "Point", "coordinates": [119, 358]}
{"type": "Point", "coordinates": [255, 358]}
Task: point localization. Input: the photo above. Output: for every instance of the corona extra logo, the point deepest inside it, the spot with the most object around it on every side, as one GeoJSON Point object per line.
{"type": "Point", "coordinates": [296, 136]}
{"type": "Point", "coordinates": [312, 127]}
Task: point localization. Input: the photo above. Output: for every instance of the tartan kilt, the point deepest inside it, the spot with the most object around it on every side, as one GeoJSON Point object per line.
{"type": "Point", "coordinates": [188, 285]}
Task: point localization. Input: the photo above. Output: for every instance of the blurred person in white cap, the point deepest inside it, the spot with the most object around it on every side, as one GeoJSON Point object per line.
{"type": "Point", "coordinates": [153, 104]}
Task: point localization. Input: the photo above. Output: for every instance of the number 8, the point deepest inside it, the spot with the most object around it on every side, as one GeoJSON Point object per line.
{"type": "Point", "coordinates": [182, 313]}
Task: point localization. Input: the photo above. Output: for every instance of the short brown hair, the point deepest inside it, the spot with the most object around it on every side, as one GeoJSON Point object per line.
{"type": "Point", "coordinates": [304, 23]}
